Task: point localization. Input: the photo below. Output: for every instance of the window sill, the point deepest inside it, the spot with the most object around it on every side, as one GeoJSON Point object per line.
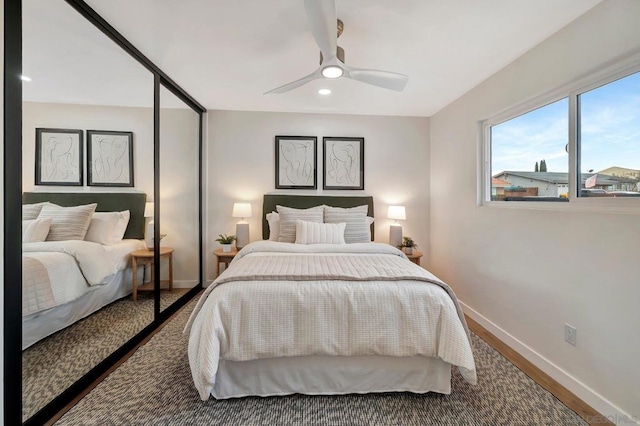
{"type": "Point", "coordinates": [583, 205]}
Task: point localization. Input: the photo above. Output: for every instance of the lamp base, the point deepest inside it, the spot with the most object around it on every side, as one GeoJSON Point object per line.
{"type": "Point", "coordinates": [395, 235]}
{"type": "Point", "coordinates": [242, 234]}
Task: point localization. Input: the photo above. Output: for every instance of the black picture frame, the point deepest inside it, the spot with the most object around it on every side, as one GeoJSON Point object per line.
{"type": "Point", "coordinates": [110, 158]}
{"type": "Point", "coordinates": [343, 172]}
{"type": "Point", "coordinates": [294, 168]}
{"type": "Point", "coordinates": [59, 157]}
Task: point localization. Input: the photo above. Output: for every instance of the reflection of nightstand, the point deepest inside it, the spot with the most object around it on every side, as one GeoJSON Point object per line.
{"type": "Point", "coordinates": [145, 257]}
{"type": "Point", "coordinates": [224, 257]}
{"type": "Point", "coordinates": [415, 256]}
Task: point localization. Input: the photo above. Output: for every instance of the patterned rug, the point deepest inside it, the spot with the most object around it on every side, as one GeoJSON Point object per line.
{"type": "Point", "coordinates": [54, 363]}
{"type": "Point", "coordinates": [154, 387]}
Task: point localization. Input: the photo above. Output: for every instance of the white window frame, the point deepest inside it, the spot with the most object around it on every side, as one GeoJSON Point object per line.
{"type": "Point", "coordinates": [609, 73]}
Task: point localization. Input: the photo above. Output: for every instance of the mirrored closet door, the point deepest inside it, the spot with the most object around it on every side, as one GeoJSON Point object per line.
{"type": "Point", "coordinates": [179, 197]}
{"type": "Point", "coordinates": [88, 143]}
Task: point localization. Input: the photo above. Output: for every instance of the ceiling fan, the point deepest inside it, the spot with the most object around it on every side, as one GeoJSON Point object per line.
{"type": "Point", "coordinates": [322, 20]}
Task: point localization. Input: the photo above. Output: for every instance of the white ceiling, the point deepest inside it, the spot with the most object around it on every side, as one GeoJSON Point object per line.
{"type": "Point", "coordinates": [226, 54]}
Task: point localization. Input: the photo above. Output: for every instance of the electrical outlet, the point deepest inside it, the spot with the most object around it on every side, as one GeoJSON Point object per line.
{"type": "Point", "coordinates": [570, 334]}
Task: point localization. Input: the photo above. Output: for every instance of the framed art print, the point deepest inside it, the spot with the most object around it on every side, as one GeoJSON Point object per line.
{"type": "Point", "coordinates": [343, 161]}
{"type": "Point", "coordinates": [58, 157]}
{"type": "Point", "coordinates": [296, 162]}
{"type": "Point", "coordinates": [109, 158]}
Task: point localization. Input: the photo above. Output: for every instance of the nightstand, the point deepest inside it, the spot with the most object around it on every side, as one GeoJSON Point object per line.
{"type": "Point", "coordinates": [224, 257]}
{"type": "Point", "coordinates": [145, 257]}
{"type": "Point", "coordinates": [415, 256]}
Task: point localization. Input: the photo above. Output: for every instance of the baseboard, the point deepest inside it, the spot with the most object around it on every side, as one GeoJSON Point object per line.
{"type": "Point", "coordinates": [597, 409]}
{"type": "Point", "coordinates": [184, 284]}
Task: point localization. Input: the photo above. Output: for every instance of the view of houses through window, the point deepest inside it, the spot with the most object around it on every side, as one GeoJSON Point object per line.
{"type": "Point", "coordinates": [530, 153]}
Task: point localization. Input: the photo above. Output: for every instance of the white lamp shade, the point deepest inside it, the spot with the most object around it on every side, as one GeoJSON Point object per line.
{"type": "Point", "coordinates": [148, 209]}
{"type": "Point", "coordinates": [241, 210]}
{"type": "Point", "coordinates": [397, 213]}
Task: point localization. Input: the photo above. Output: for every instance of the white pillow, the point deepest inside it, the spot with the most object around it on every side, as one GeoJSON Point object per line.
{"type": "Point", "coordinates": [319, 233]}
{"type": "Point", "coordinates": [357, 230]}
{"type": "Point", "coordinates": [31, 211]}
{"type": "Point", "coordinates": [369, 223]}
{"type": "Point", "coordinates": [288, 217]}
{"type": "Point", "coordinates": [67, 223]}
{"type": "Point", "coordinates": [274, 226]}
{"type": "Point", "coordinates": [121, 226]}
{"type": "Point", "coordinates": [35, 230]}
{"type": "Point", "coordinates": [102, 227]}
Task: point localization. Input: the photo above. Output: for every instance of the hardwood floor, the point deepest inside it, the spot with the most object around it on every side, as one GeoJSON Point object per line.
{"type": "Point", "coordinates": [590, 415]}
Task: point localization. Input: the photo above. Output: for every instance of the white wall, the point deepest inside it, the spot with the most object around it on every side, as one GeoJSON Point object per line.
{"type": "Point", "coordinates": [524, 273]}
{"type": "Point", "coordinates": [179, 130]}
{"type": "Point", "coordinates": [240, 167]}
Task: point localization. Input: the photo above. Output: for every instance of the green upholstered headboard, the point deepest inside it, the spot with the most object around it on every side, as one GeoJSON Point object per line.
{"type": "Point", "coordinates": [107, 202]}
{"type": "Point", "coordinates": [270, 201]}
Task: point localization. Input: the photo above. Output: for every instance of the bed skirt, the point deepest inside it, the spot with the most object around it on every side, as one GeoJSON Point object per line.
{"type": "Point", "coordinates": [331, 375]}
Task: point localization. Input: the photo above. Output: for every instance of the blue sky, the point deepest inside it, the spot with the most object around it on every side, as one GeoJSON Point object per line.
{"type": "Point", "coordinates": [610, 132]}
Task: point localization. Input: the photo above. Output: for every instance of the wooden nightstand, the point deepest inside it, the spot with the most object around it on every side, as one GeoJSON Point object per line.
{"type": "Point", "coordinates": [415, 256]}
{"type": "Point", "coordinates": [224, 257]}
{"type": "Point", "coordinates": [145, 257]}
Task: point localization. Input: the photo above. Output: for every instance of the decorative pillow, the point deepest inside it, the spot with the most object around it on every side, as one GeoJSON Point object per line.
{"type": "Point", "coordinates": [274, 226]}
{"type": "Point", "coordinates": [35, 230]}
{"type": "Point", "coordinates": [319, 233]}
{"type": "Point", "coordinates": [357, 230]}
{"type": "Point", "coordinates": [102, 227]}
{"type": "Point", "coordinates": [67, 223]}
{"type": "Point", "coordinates": [31, 211]}
{"type": "Point", "coordinates": [288, 217]}
{"type": "Point", "coordinates": [121, 226]}
{"type": "Point", "coordinates": [369, 223]}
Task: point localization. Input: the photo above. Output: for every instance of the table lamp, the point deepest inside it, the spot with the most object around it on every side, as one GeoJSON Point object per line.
{"type": "Point", "coordinates": [395, 230]}
{"type": "Point", "coordinates": [148, 236]}
{"type": "Point", "coordinates": [242, 210]}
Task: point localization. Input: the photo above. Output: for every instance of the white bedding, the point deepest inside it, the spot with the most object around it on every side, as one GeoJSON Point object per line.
{"type": "Point", "coordinates": [75, 268]}
{"type": "Point", "coordinates": [257, 319]}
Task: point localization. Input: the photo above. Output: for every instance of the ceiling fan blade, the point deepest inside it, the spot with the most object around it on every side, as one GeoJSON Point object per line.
{"type": "Point", "coordinates": [384, 79]}
{"type": "Point", "coordinates": [323, 19]}
{"type": "Point", "coordinates": [294, 84]}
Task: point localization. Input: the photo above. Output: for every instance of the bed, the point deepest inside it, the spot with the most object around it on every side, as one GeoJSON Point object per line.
{"type": "Point", "coordinates": [323, 318]}
{"type": "Point", "coordinates": [65, 281]}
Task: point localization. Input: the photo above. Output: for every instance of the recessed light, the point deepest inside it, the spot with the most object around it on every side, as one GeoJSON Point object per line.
{"type": "Point", "coordinates": [25, 78]}
{"type": "Point", "coordinates": [324, 91]}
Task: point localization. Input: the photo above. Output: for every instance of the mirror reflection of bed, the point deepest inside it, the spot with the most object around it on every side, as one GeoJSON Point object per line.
{"type": "Point", "coordinates": [77, 307]}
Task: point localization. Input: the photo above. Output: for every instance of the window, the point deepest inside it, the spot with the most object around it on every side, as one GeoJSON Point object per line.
{"type": "Point", "coordinates": [532, 154]}
{"type": "Point", "coordinates": [609, 139]}
{"type": "Point", "coordinates": [528, 156]}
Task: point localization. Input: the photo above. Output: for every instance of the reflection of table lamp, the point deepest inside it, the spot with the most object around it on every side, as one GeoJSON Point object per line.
{"type": "Point", "coordinates": [395, 230]}
{"type": "Point", "coordinates": [242, 210]}
{"type": "Point", "coordinates": [148, 236]}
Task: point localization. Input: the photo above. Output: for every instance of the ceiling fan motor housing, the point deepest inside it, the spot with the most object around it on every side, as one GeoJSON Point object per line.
{"type": "Point", "coordinates": [339, 55]}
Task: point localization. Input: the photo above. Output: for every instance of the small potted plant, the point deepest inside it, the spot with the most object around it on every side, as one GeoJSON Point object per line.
{"type": "Point", "coordinates": [226, 241]}
{"type": "Point", "coordinates": [408, 245]}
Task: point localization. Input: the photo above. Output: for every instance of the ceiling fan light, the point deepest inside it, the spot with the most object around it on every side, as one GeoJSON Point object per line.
{"type": "Point", "coordinates": [332, 71]}
{"type": "Point", "coordinates": [324, 91]}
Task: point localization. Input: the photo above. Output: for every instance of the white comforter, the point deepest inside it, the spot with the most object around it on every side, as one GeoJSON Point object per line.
{"type": "Point", "coordinates": [281, 315]}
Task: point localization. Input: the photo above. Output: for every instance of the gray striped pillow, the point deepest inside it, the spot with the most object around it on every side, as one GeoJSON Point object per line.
{"type": "Point", "coordinates": [31, 211]}
{"type": "Point", "coordinates": [68, 223]}
{"type": "Point", "coordinates": [288, 217]}
{"type": "Point", "coordinates": [357, 230]}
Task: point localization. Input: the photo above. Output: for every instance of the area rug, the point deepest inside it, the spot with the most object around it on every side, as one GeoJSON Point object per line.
{"type": "Point", "coordinates": [54, 363]}
{"type": "Point", "coordinates": [154, 387]}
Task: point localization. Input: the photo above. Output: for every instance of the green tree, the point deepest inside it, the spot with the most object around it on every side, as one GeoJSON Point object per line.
{"type": "Point", "coordinates": [543, 166]}
{"type": "Point", "coordinates": [537, 170]}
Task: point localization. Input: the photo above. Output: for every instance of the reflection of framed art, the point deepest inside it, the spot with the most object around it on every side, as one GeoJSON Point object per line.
{"type": "Point", "coordinates": [109, 158]}
{"type": "Point", "coordinates": [296, 162]}
{"type": "Point", "coordinates": [59, 157]}
{"type": "Point", "coordinates": [343, 163]}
